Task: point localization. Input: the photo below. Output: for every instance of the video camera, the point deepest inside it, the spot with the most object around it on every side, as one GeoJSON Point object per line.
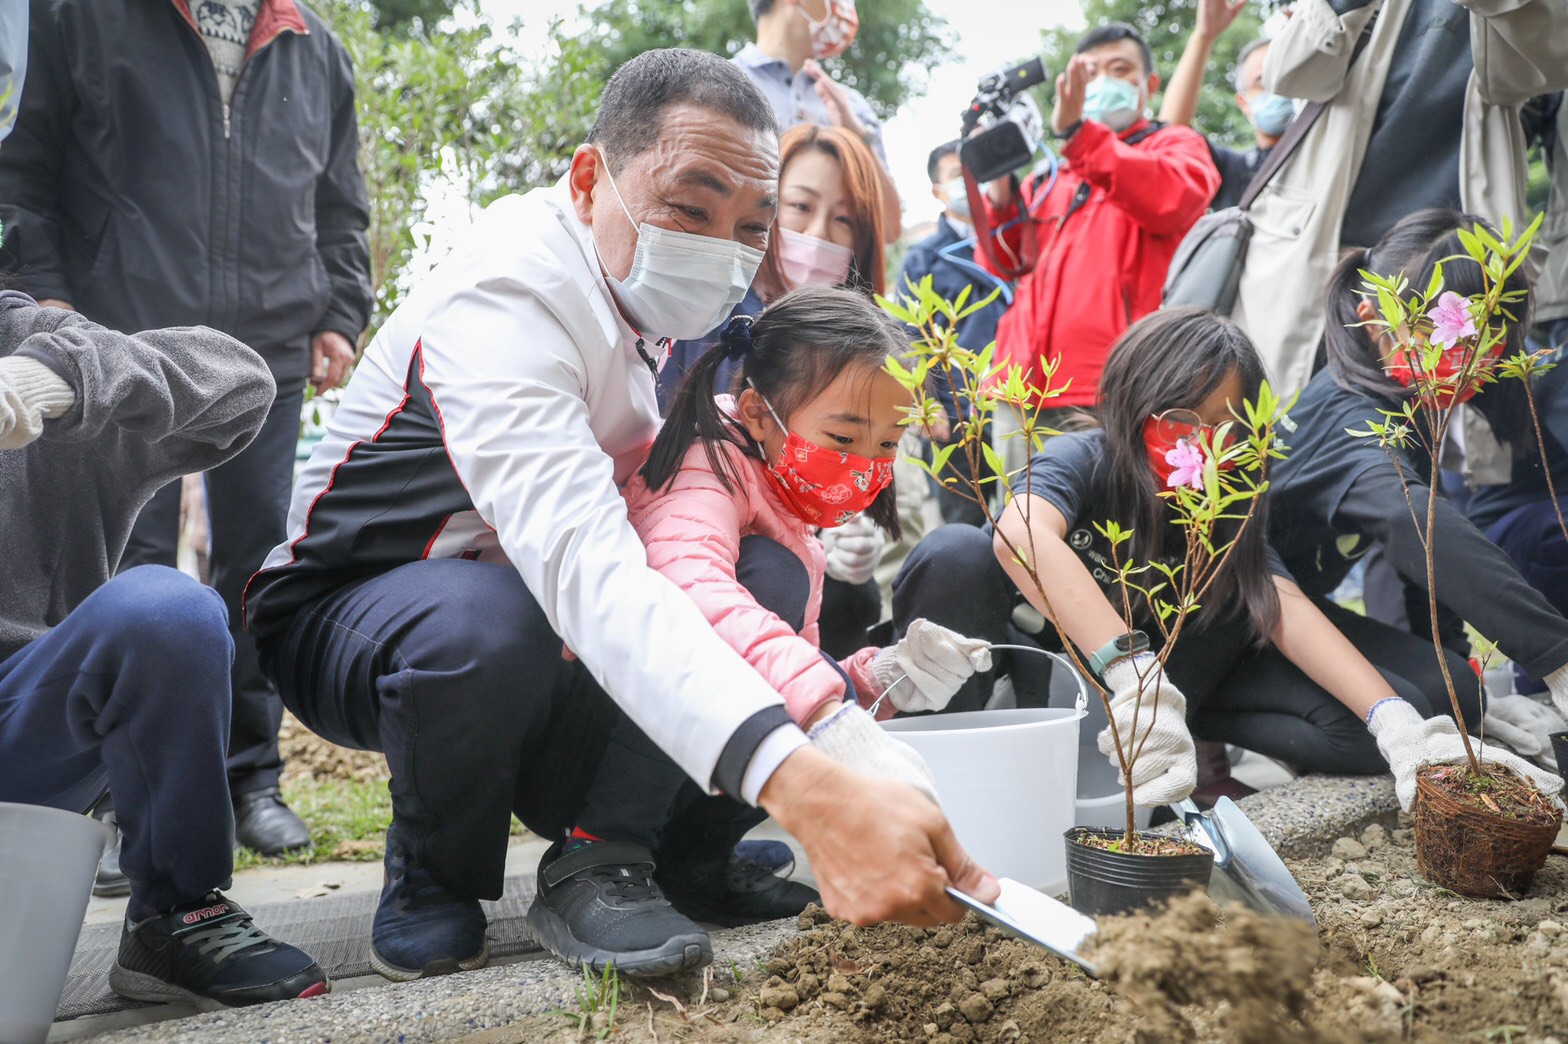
{"type": "Point", "coordinates": [1011, 120]}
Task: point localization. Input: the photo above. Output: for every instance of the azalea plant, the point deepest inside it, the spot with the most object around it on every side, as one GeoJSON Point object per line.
{"type": "Point", "coordinates": [1446, 347]}
{"type": "Point", "coordinates": [1214, 490]}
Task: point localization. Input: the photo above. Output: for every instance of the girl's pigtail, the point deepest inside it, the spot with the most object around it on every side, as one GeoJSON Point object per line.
{"type": "Point", "coordinates": [695, 414]}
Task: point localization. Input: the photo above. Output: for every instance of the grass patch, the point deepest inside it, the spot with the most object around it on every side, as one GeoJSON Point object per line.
{"type": "Point", "coordinates": [347, 819]}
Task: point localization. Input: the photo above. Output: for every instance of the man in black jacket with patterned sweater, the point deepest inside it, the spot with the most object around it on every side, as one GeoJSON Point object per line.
{"type": "Point", "coordinates": [193, 162]}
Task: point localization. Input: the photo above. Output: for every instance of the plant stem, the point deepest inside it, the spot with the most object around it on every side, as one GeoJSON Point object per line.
{"type": "Point", "coordinates": [1540, 445]}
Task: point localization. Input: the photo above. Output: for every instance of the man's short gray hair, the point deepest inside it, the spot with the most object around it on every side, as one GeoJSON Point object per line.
{"type": "Point", "coordinates": [1238, 78]}
{"type": "Point", "coordinates": [631, 109]}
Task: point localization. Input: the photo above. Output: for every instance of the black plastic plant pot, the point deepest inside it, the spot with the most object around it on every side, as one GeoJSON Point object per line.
{"type": "Point", "coordinates": [1103, 883]}
{"type": "Point", "coordinates": [1560, 748]}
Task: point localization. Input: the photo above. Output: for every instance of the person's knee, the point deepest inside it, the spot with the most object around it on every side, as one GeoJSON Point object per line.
{"type": "Point", "coordinates": [946, 553]}
{"type": "Point", "coordinates": [157, 610]}
{"type": "Point", "coordinates": [776, 577]}
{"type": "Point", "coordinates": [490, 621]}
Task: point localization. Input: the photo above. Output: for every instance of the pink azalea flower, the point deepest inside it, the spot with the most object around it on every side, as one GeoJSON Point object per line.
{"type": "Point", "coordinates": [1186, 461]}
{"type": "Point", "coordinates": [1451, 320]}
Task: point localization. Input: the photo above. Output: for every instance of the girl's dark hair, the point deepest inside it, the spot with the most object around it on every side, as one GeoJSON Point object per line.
{"type": "Point", "coordinates": [1174, 359]}
{"type": "Point", "coordinates": [789, 354]}
{"type": "Point", "coordinates": [1412, 248]}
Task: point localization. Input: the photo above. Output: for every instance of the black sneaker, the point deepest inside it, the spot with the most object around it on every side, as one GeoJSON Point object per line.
{"type": "Point", "coordinates": [421, 929]}
{"type": "Point", "coordinates": [739, 889]}
{"type": "Point", "coordinates": [208, 953]}
{"type": "Point", "coordinates": [599, 905]}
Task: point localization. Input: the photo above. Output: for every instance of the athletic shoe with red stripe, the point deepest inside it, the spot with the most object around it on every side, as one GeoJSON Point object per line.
{"type": "Point", "coordinates": [208, 953]}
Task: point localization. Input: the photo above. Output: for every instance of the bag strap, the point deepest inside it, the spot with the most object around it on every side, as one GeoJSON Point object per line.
{"type": "Point", "coordinates": [1298, 129]}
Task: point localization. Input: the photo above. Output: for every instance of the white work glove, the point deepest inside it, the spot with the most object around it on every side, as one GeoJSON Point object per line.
{"type": "Point", "coordinates": [936, 663]}
{"type": "Point", "coordinates": [1557, 685]}
{"type": "Point", "coordinates": [853, 549]}
{"type": "Point", "coordinates": [1522, 724]}
{"type": "Point", "coordinates": [29, 393]}
{"type": "Point", "coordinates": [851, 738]}
{"type": "Point", "coordinates": [1167, 769]}
{"type": "Point", "coordinates": [1409, 741]}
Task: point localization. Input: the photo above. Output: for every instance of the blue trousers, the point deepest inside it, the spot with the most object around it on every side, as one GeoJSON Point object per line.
{"type": "Point", "coordinates": [1531, 535]}
{"type": "Point", "coordinates": [452, 670]}
{"type": "Point", "coordinates": [130, 693]}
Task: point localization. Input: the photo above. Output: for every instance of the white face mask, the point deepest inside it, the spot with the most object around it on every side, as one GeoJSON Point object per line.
{"type": "Point", "coordinates": [680, 285]}
{"type": "Point", "coordinates": [957, 199]}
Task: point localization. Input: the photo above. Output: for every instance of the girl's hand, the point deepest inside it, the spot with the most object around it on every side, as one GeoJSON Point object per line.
{"type": "Point", "coordinates": [1166, 767]}
{"type": "Point", "coordinates": [1408, 742]}
{"type": "Point", "coordinates": [928, 665]}
{"type": "Point", "coordinates": [1523, 724]}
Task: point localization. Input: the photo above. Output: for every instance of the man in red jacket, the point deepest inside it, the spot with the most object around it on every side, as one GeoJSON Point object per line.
{"type": "Point", "coordinates": [1103, 226]}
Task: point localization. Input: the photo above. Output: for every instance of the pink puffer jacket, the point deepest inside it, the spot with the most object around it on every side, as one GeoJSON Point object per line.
{"type": "Point", "coordinates": [692, 530]}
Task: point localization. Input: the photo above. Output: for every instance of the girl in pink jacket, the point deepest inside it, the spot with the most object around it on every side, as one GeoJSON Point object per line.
{"type": "Point", "coordinates": [807, 443]}
{"type": "Point", "coordinates": [727, 505]}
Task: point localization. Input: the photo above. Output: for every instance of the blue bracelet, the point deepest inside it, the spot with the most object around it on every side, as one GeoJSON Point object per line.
{"type": "Point", "coordinates": [1373, 709]}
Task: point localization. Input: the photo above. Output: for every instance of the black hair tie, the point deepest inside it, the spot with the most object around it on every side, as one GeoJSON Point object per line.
{"type": "Point", "coordinates": [737, 337]}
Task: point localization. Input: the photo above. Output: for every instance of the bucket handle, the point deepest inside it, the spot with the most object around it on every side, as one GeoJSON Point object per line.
{"type": "Point", "coordinates": [1081, 703]}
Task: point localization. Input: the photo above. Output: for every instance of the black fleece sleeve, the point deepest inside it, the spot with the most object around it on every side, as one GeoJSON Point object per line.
{"type": "Point", "coordinates": [1475, 579]}
{"type": "Point", "coordinates": [164, 403]}
{"type": "Point", "coordinates": [343, 213]}
{"type": "Point", "coordinates": [30, 165]}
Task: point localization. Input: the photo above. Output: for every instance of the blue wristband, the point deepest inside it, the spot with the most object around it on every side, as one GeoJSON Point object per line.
{"type": "Point", "coordinates": [1373, 709]}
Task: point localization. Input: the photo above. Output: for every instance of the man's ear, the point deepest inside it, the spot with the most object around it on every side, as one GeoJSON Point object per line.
{"type": "Point", "coordinates": [1153, 84]}
{"type": "Point", "coordinates": [1244, 105]}
{"type": "Point", "coordinates": [936, 194]}
{"type": "Point", "coordinates": [754, 415]}
{"type": "Point", "coordinates": [581, 178]}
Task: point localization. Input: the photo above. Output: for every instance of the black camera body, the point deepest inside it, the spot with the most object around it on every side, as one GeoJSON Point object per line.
{"type": "Point", "coordinates": [1011, 122]}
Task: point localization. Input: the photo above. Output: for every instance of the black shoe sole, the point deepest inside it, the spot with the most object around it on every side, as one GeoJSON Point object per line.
{"type": "Point", "coordinates": [143, 987]}
{"type": "Point", "coordinates": [682, 953]}
{"type": "Point", "coordinates": [445, 966]}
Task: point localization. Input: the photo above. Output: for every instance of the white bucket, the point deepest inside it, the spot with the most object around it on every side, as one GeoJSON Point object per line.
{"type": "Point", "coordinates": [47, 862]}
{"type": "Point", "coordinates": [1007, 779]}
{"type": "Point", "coordinates": [1099, 795]}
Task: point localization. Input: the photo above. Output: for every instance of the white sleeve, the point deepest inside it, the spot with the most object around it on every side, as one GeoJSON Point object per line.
{"type": "Point", "coordinates": [509, 385]}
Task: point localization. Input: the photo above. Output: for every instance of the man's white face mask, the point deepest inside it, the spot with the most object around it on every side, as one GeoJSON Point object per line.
{"type": "Point", "coordinates": [680, 285]}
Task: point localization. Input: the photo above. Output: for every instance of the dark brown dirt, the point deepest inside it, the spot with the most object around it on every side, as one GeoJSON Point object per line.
{"type": "Point", "coordinates": [1501, 792]}
{"type": "Point", "coordinates": [1400, 960]}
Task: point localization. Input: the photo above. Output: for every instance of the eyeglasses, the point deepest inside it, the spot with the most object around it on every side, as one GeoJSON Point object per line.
{"type": "Point", "coordinates": [1172, 425]}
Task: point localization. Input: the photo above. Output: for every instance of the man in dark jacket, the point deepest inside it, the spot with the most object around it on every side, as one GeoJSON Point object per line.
{"type": "Point", "coordinates": [947, 256]}
{"type": "Point", "coordinates": [193, 162]}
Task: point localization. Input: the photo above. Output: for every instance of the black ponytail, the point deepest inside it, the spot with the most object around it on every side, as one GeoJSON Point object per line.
{"type": "Point", "coordinates": [789, 354]}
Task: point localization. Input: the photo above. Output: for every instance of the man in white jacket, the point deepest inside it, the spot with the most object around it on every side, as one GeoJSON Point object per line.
{"type": "Point", "coordinates": [1428, 115]}
{"type": "Point", "coordinates": [460, 524]}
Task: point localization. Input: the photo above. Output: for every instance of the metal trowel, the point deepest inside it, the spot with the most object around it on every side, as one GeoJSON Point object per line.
{"type": "Point", "coordinates": [1246, 867]}
{"type": "Point", "coordinates": [1035, 917]}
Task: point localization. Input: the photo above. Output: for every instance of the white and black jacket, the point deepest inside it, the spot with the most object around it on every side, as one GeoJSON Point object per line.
{"type": "Point", "coordinates": [494, 416]}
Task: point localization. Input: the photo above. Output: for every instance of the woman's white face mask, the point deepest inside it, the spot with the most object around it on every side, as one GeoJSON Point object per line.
{"type": "Point", "coordinates": [680, 285]}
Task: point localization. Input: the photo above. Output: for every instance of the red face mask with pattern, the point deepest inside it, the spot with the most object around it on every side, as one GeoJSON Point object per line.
{"type": "Point", "coordinates": [822, 486]}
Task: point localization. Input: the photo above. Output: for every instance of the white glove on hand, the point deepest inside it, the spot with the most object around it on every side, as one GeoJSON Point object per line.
{"type": "Point", "coordinates": [1409, 741]}
{"type": "Point", "coordinates": [1167, 769]}
{"type": "Point", "coordinates": [935, 660]}
{"type": "Point", "coordinates": [851, 738]}
{"type": "Point", "coordinates": [1557, 685]}
{"type": "Point", "coordinates": [853, 549]}
{"type": "Point", "coordinates": [29, 392]}
{"type": "Point", "coordinates": [1522, 724]}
